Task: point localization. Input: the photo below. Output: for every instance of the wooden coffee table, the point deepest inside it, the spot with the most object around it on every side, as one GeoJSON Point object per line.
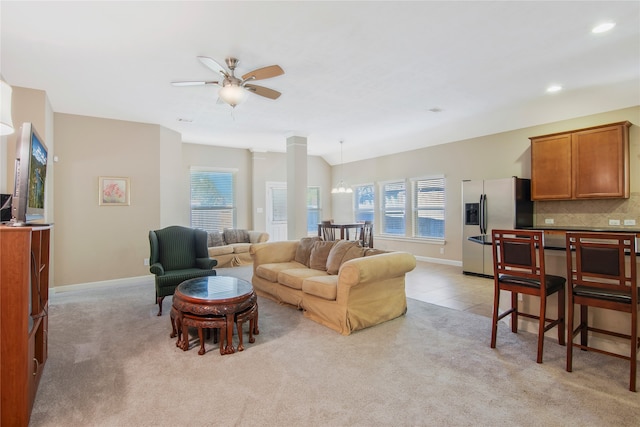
{"type": "Point", "coordinates": [213, 301]}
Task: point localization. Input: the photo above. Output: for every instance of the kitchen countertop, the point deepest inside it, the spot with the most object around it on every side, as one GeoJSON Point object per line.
{"type": "Point", "coordinates": [607, 229]}
{"type": "Point", "coordinates": [558, 243]}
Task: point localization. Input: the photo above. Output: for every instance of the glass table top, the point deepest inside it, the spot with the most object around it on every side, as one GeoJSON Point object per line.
{"type": "Point", "coordinates": [215, 288]}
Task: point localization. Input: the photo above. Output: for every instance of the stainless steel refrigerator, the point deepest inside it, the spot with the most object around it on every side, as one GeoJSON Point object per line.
{"type": "Point", "coordinates": [488, 204]}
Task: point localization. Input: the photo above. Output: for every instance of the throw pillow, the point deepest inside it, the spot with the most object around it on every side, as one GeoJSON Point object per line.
{"type": "Point", "coordinates": [214, 239]}
{"type": "Point", "coordinates": [337, 253]}
{"type": "Point", "coordinates": [372, 251]}
{"type": "Point", "coordinates": [236, 236]}
{"type": "Point", "coordinates": [319, 254]}
{"type": "Point", "coordinates": [303, 252]}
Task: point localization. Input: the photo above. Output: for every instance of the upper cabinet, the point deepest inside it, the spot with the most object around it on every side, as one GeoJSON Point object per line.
{"type": "Point", "coordinates": [591, 163]}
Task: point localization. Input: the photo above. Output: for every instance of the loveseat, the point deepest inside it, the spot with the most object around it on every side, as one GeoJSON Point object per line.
{"type": "Point", "coordinates": [231, 246]}
{"type": "Point", "coordinates": [340, 284]}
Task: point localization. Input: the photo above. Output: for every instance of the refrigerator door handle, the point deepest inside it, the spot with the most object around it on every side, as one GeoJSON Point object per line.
{"type": "Point", "coordinates": [483, 214]}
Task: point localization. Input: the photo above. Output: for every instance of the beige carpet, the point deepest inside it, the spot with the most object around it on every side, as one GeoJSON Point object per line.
{"type": "Point", "coordinates": [112, 363]}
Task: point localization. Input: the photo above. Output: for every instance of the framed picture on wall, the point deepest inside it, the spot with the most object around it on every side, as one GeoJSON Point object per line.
{"type": "Point", "coordinates": [114, 191]}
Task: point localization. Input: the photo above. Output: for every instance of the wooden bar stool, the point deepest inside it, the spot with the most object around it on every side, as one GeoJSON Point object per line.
{"type": "Point", "coordinates": [599, 276]}
{"type": "Point", "coordinates": [518, 265]}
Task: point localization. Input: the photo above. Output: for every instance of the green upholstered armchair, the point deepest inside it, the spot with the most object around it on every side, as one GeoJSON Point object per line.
{"type": "Point", "coordinates": [178, 254]}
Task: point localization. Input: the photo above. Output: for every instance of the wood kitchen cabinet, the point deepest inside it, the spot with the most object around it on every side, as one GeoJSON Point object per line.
{"type": "Point", "coordinates": [591, 163]}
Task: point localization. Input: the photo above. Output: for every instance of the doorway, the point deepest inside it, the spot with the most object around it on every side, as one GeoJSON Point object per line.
{"type": "Point", "coordinates": [276, 202]}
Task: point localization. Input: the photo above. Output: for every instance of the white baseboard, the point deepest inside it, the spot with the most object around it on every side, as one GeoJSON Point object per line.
{"type": "Point", "coordinates": [128, 281]}
{"type": "Point", "coordinates": [440, 261]}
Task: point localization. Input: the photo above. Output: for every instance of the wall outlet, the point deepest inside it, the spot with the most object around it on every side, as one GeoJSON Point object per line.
{"type": "Point", "coordinates": [441, 251]}
{"type": "Point", "coordinates": [614, 222]}
{"type": "Point", "coordinates": [548, 221]}
{"type": "Point", "coordinates": [146, 261]}
{"type": "Point", "coordinates": [629, 222]}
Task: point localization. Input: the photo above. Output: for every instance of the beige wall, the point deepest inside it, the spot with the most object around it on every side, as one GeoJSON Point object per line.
{"type": "Point", "coordinates": [99, 243]}
{"type": "Point", "coordinates": [174, 201]}
{"type": "Point", "coordinates": [492, 156]}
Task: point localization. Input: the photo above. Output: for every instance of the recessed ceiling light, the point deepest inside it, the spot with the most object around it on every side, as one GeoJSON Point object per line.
{"type": "Point", "coordinates": [554, 88]}
{"type": "Point", "coordinates": [435, 110]}
{"type": "Point", "coordinates": [603, 28]}
{"type": "Point", "coordinates": [182, 119]}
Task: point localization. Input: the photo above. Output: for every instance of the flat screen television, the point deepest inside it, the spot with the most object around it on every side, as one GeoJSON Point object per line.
{"type": "Point", "coordinates": [27, 206]}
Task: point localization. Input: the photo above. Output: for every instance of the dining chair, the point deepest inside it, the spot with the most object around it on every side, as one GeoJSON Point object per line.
{"type": "Point", "coordinates": [328, 232]}
{"type": "Point", "coordinates": [518, 265]}
{"type": "Point", "coordinates": [600, 276]}
{"type": "Point", "coordinates": [366, 234]}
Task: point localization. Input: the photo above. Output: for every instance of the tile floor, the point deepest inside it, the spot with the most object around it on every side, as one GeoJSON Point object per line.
{"type": "Point", "coordinates": [445, 285]}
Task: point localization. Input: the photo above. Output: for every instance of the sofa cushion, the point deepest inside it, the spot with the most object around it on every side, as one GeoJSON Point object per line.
{"type": "Point", "coordinates": [220, 250]}
{"type": "Point", "coordinates": [270, 271]}
{"type": "Point", "coordinates": [341, 252]}
{"type": "Point", "coordinates": [319, 255]}
{"type": "Point", "coordinates": [303, 252]}
{"type": "Point", "coordinates": [215, 239]}
{"type": "Point", "coordinates": [325, 287]}
{"type": "Point", "coordinates": [294, 277]}
{"type": "Point", "coordinates": [240, 248]}
{"type": "Point", "coordinates": [232, 235]}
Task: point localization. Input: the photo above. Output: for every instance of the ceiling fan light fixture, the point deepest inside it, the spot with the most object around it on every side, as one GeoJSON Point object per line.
{"type": "Point", "coordinates": [232, 94]}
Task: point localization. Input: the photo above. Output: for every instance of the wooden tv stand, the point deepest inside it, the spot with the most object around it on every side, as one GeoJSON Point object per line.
{"type": "Point", "coordinates": [24, 322]}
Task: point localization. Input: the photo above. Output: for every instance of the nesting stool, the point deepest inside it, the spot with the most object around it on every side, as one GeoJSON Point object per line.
{"type": "Point", "coordinates": [180, 323]}
{"type": "Point", "coordinates": [251, 314]}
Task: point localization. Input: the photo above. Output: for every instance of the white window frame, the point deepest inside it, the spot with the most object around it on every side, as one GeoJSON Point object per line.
{"type": "Point", "coordinates": [356, 206]}
{"type": "Point", "coordinates": [431, 206]}
{"type": "Point", "coordinates": [399, 207]}
{"type": "Point", "coordinates": [228, 204]}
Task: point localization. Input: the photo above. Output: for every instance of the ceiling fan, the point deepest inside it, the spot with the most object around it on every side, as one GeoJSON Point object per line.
{"type": "Point", "coordinates": [233, 89]}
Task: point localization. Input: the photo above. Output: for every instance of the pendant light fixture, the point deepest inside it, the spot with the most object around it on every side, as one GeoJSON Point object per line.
{"type": "Point", "coordinates": [341, 188]}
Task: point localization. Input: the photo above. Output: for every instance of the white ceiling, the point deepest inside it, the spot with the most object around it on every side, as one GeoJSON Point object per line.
{"type": "Point", "coordinates": [365, 72]}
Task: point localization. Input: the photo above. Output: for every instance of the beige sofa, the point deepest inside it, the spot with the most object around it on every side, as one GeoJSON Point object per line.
{"type": "Point", "coordinates": [231, 246]}
{"type": "Point", "coordinates": [337, 284]}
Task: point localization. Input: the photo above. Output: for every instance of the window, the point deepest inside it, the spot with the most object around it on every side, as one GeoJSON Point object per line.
{"type": "Point", "coordinates": [212, 200]}
{"type": "Point", "coordinates": [393, 208]}
{"type": "Point", "coordinates": [279, 203]}
{"type": "Point", "coordinates": [364, 202]}
{"type": "Point", "coordinates": [428, 207]}
{"type": "Point", "coordinates": [313, 209]}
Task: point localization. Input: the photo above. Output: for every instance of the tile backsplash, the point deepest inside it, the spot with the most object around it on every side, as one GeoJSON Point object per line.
{"type": "Point", "coordinates": [591, 213]}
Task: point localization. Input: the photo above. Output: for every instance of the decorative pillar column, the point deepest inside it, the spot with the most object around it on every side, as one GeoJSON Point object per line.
{"type": "Point", "coordinates": [296, 187]}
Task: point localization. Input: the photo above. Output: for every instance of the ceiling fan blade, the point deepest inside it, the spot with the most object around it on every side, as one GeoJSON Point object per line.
{"type": "Point", "coordinates": [194, 83]}
{"type": "Point", "coordinates": [263, 73]}
{"type": "Point", "coordinates": [213, 65]}
{"type": "Point", "coordinates": [263, 91]}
